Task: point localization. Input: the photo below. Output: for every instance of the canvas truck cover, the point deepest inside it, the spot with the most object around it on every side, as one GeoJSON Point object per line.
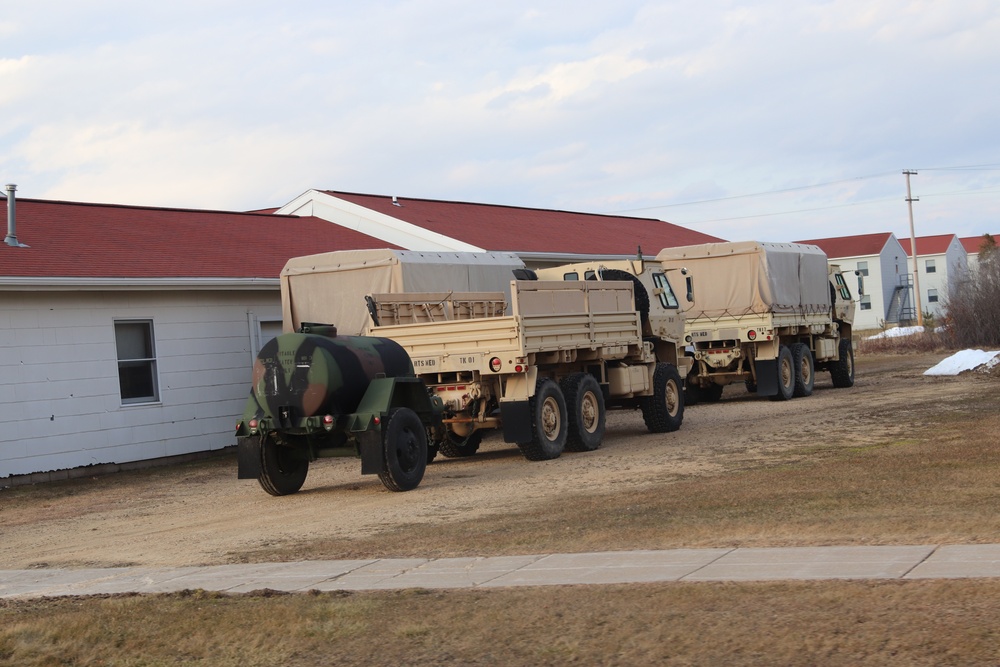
{"type": "Point", "coordinates": [740, 278]}
{"type": "Point", "coordinates": [331, 287]}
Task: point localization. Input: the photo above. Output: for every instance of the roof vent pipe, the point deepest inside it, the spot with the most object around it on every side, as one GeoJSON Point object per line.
{"type": "Point", "coordinates": [11, 238]}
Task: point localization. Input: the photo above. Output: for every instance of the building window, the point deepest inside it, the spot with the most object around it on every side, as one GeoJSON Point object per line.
{"type": "Point", "coordinates": [863, 268]}
{"type": "Point", "coordinates": [866, 302]}
{"type": "Point", "coordinates": [931, 268]}
{"type": "Point", "coordinates": [136, 361]}
{"type": "Point", "coordinates": [932, 296]}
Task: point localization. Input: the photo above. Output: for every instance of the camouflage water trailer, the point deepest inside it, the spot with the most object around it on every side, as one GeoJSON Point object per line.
{"type": "Point", "coordinates": [316, 394]}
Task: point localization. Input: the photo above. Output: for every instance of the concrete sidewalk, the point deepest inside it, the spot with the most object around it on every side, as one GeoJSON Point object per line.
{"type": "Point", "coordinates": [612, 567]}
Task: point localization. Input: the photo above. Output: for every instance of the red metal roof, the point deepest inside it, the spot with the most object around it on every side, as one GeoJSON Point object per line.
{"type": "Point", "coordinates": [929, 245]}
{"type": "Point", "coordinates": [78, 240]}
{"type": "Point", "coordinates": [514, 229]}
{"type": "Point", "coordinates": [972, 243]}
{"type": "Point", "coordinates": [863, 245]}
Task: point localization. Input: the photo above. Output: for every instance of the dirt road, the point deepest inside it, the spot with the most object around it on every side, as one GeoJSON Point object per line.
{"type": "Point", "coordinates": [201, 514]}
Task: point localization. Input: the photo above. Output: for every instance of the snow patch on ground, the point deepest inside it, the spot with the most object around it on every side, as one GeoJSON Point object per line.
{"type": "Point", "coordinates": [966, 360]}
{"type": "Point", "coordinates": [898, 332]}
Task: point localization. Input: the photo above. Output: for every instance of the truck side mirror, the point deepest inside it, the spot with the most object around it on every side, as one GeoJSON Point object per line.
{"type": "Point", "coordinates": [861, 283]}
{"type": "Point", "coordinates": [689, 282]}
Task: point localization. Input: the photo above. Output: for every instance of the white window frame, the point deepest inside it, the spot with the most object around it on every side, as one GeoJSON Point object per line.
{"type": "Point", "coordinates": [863, 268]}
{"type": "Point", "coordinates": [932, 295]}
{"type": "Point", "coordinates": [866, 302]}
{"type": "Point", "coordinates": [930, 266]}
{"type": "Point", "coordinates": [147, 361]}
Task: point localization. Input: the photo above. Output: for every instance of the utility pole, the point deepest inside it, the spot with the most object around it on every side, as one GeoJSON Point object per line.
{"type": "Point", "coordinates": [913, 249]}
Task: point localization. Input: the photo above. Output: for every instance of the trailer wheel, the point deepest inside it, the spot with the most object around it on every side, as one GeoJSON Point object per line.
{"type": "Point", "coordinates": [585, 412]}
{"type": "Point", "coordinates": [282, 469]}
{"type": "Point", "coordinates": [663, 412]}
{"type": "Point", "coordinates": [454, 446]}
{"type": "Point", "coordinates": [404, 441]}
{"type": "Point", "coordinates": [786, 375]}
{"type": "Point", "coordinates": [548, 423]}
{"type": "Point", "coordinates": [805, 375]}
{"type": "Point", "coordinates": [842, 370]}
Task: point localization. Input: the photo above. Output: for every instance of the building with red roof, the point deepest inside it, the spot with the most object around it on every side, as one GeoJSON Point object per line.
{"type": "Point", "coordinates": [539, 236]}
{"type": "Point", "coordinates": [886, 265]}
{"type": "Point", "coordinates": [942, 265]}
{"type": "Point", "coordinates": [974, 244]}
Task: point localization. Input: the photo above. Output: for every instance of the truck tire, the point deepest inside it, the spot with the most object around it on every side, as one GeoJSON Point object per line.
{"type": "Point", "coordinates": [641, 296]}
{"type": "Point", "coordinates": [548, 423]}
{"type": "Point", "coordinates": [404, 443]}
{"type": "Point", "coordinates": [786, 375]}
{"type": "Point", "coordinates": [805, 372]}
{"type": "Point", "coordinates": [663, 412]}
{"type": "Point", "coordinates": [842, 370]}
{"type": "Point", "coordinates": [454, 446]}
{"type": "Point", "coordinates": [584, 411]}
{"type": "Point", "coordinates": [283, 469]}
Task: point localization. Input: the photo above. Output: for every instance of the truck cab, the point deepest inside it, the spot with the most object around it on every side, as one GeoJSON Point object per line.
{"type": "Point", "coordinates": [655, 300]}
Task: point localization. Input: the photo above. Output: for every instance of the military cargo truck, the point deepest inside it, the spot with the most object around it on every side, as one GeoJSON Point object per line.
{"type": "Point", "coordinates": [540, 361]}
{"type": "Point", "coordinates": [317, 394]}
{"type": "Point", "coordinates": [544, 374]}
{"type": "Point", "coordinates": [767, 314]}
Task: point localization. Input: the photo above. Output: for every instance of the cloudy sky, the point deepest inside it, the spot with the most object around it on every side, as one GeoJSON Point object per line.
{"type": "Point", "coordinates": [769, 120]}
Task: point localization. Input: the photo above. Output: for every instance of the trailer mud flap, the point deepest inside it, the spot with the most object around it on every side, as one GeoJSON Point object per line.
{"type": "Point", "coordinates": [767, 377]}
{"type": "Point", "coordinates": [248, 458]}
{"type": "Point", "coordinates": [372, 453]}
{"type": "Point", "coordinates": [516, 419]}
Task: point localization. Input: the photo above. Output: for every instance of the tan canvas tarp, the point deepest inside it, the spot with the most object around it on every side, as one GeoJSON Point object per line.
{"type": "Point", "coordinates": [331, 287]}
{"type": "Point", "coordinates": [753, 277]}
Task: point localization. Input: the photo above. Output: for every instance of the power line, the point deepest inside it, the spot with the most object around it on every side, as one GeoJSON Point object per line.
{"type": "Point", "coordinates": [801, 210]}
{"type": "Point", "coordinates": [979, 167]}
{"type": "Point", "coordinates": [757, 194]}
{"type": "Point", "coordinates": [824, 208]}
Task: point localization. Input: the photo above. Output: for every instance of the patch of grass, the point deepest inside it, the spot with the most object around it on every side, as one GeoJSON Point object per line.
{"type": "Point", "coordinates": [928, 341]}
{"type": "Point", "coordinates": [794, 623]}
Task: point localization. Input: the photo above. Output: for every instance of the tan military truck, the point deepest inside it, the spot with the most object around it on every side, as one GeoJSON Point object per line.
{"type": "Point", "coordinates": [541, 365]}
{"type": "Point", "coordinates": [767, 314]}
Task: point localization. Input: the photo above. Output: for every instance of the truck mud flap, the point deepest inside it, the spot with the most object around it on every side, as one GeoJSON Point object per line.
{"type": "Point", "coordinates": [248, 458]}
{"type": "Point", "coordinates": [767, 377]}
{"type": "Point", "coordinates": [516, 419]}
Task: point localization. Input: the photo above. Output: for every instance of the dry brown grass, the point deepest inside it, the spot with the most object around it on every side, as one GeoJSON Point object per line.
{"type": "Point", "coordinates": [928, 341]}
{"type": "Point", "coordinates": [803, 623]}
{"type": "Point", "coordinates": [940, 486]}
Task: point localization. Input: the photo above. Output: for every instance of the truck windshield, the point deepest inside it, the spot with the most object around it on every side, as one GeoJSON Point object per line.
{"type": "Point", "coordinates": [845, 291]}
{"type": "Point", "coordinates": [666, 294]}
